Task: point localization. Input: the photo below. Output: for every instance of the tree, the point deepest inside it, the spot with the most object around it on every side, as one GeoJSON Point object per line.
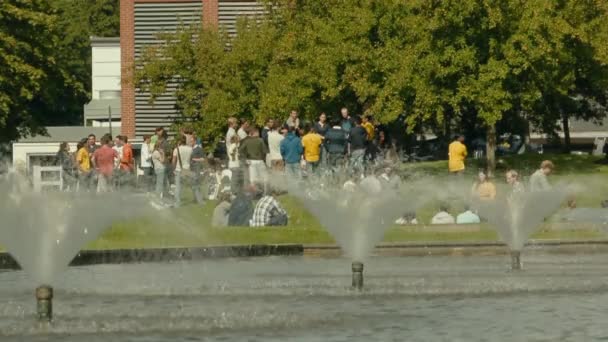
{"type": "Point", "coordinates": [440, 64]}
{"type": "Point", "coordinates": [26, 46]}
{"type": "Point", "coordinates": [45, 61]}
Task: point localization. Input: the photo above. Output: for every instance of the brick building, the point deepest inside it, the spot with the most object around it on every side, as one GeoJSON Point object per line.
{"type": "Point", "coordinates": [140, 22]}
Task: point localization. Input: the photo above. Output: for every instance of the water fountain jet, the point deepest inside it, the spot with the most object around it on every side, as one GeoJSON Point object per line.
{"type": "Point", "coordinates": [357, 268]}
{"type": "Point", "coordinates": [44, 231]}
{"type": "Point", "coordinates": [515, 260]}
{"type": "Point", "coordinates": [517, 216]}
{"type": "Point", "coordinates": [44, 303]}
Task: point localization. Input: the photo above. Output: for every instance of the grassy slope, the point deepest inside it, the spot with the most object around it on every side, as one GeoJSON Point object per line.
{"type": "Point", "coordinates": [189, 226]}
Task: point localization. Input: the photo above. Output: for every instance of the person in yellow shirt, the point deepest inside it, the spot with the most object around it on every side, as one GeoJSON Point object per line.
{"type": "Point", "coordinates": [369, 127]}
{"type": "Point", "coordinates": [457, 152]}
{"type": "Point", "coordinates": [483, 189]}
{"type": "Point", "coordinates": [312, 149]}
{"type": "Point", "coordinates": [83, 159]}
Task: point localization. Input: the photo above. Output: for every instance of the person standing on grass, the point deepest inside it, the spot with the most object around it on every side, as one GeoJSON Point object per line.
{"type": "Point", "coordinates": [457, 153]}
{"type": "Point", "coordinates": [65, 160]}
{"type": "Point", "coordinates": [293, 121]}
{"type": "Point", "coordinates": [321, 126]}
{"type": "Point", "coordinates": [196, 165]}
{"type": "Point", "coordinates": [103, 162]}
{"type": "Point", "coordinates": [357, 147]}
{"type": "Point", "coordinates": [243, 132]}
{"type": "Point", "coordinates": [158, 132]}
{"type": "Point", "coordinates": [145, 163]}
{"type": "Point", "coordinates": [291, 151]}
{"type": "Point", "coordinates": [253, 151]}
{"type": "Point", "coordinates": [83, 162]}
{"type": "Point", "coordinates": [312, 142]}
{"type": "Point", "coordinates": [538, 180]}
{"type": "Point", "coordinates": [266, 130]}
{"type": "Point", "coordinates": [232, 124]}
{"type": "Point", "coordinates": [274, 149]}
{"type": "Point", "coordinates": [127, 164]}
{"type": "Point", "coordinates": [346, 121]}
{"type": "Point", "coordinates": [234, 165]}
{"type": "Point", "coordinates": [336, 146]}
{"type": "Point", "coordinates": [182, 157]}
{"type": "Point", "coordinates": [158, 160]}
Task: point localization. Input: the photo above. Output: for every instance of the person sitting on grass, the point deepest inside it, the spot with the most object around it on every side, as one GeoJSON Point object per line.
{"type": "Point", "coordinates": [241, 209]}
{"type": "Point", "coordinates": [484, 189]}
{"type": "Point", "coordinates": [222, 210]}
{"type": "Point", "coordinates": [538, 180]}
{"type": "Point", "coordinates": [407, 218]}
{"type": "Point", "coordinates": [268, 211]}
{"type": "Point", "coordinates": [513, 181]}
{"type": "Point", "coordinates": [467, 217]}
{"type": "Point", "coordinates": [443, 216]}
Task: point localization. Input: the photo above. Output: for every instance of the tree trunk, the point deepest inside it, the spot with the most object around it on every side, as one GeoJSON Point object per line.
{"type": "Point", "coordinates": [491, 149]}
{"type": "Point", "coordinates": [566, 127]}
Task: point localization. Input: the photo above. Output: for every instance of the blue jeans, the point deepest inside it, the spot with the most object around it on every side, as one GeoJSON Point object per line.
{"type": "Point", "coordinates": [196, 189]}
{"type": "Point", "coordinates": [356, 160]}
{"type": "Point", "coordinates": [293, 169]}
{"type": "Point", "coordinates": [160, 181]}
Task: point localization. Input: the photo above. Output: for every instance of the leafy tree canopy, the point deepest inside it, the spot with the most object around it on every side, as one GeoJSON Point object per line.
{"type": "Point", "coordinates": [45, 62]}
{"type": "Point", "coordinates": [435, 63]}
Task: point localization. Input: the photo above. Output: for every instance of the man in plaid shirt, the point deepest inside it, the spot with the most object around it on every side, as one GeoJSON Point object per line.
{"type": "Point", "coordinates": [268, 212]}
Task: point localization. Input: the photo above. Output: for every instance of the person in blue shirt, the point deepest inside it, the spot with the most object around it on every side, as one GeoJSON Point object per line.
{"type": "Point", "coordinates": [291, 151]}
{"type": "Point", "coordinates": [467, 217]}
{"type": "Point", "coordinates": [346, 122]}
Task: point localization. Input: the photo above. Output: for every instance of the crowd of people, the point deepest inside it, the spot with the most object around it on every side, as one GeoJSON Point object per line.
{"type": "Point", "coordinates": [348, 147]}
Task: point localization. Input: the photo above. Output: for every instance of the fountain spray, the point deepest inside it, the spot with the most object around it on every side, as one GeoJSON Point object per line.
{"type": "Point", "coordinates": [44, 299]}
{"type": "Point", "coordinates": [357, 268]}
{"type": "Point", "coordinates": [515, 260]}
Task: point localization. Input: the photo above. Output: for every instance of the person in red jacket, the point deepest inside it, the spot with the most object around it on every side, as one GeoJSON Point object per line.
{"type": "Point", "coordinates": [103, 162]}
{"type": "Point", "coordinates": [127, 164]}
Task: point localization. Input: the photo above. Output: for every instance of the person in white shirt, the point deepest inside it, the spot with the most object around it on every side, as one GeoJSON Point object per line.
{"type": "Point", "coordinates": [145, 163]}
{"type": "Point", "coordinates": [274, 149]}
{"type": "Point", "coordinates": [538, 180]}
{"type": "Point", "coordinates": [236, 173]}
{"type": "Point", "coordinates": [443, 216]}
{"type": "Point", "coordinates": [182, 155]}
{"type": "Point", "coordinates": [243, 132]}
{"type": "Point", "coordinates": [158, 160]}
{"type": "Point", "coordinates": [232, 123]}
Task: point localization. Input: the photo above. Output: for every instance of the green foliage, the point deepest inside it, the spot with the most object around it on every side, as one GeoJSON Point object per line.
{"type": "Point", "coordinates": [46, 64]}
{"type": "Point", "coordinates": [436, 62]}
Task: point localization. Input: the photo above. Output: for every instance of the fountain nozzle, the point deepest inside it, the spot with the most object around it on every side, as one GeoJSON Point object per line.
{"type": "Point", "coordinates": [515, 260]}
{"type": "Point", "coordinates": [357, 275]}
{"type": "Point", "coordinates": [44, 299]}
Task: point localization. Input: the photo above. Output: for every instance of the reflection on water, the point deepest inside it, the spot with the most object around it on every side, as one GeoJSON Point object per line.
{"type": "Point", "coordinates": [278, 299]}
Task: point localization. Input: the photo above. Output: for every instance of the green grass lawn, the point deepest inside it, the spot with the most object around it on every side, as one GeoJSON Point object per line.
{"type": "Point", "coordinates": [190, 225]}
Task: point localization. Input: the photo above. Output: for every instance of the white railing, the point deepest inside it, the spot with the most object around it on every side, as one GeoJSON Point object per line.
{"type": "Point", "coordinates": [39, 182]}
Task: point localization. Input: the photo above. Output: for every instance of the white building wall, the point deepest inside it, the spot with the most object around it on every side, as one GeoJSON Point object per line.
{"type": "Point", "coordinates": [106, 69]}
{"type": "Point", "coordinates": [22, 151]}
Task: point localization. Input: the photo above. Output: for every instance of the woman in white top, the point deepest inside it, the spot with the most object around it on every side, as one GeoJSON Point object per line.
{"type": "Point", "coordinates": [236, 175]}
{"type": "Point", "coordinates": [158, 161]}
{"type": "Point", "coordinates": [145, 163]}
{"type": "Point", "coordinates": [274, 149]}
{"type": "Point", "coordinates": [182, 155]}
